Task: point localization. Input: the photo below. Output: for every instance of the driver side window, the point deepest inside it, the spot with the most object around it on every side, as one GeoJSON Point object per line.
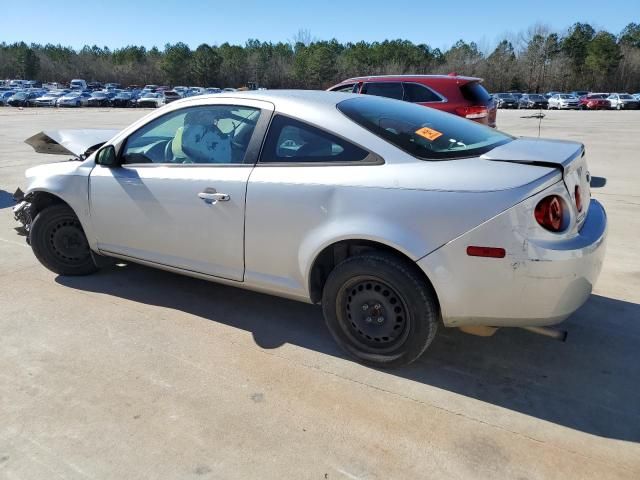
{"type": "Point", "coordinates": [212, 134]}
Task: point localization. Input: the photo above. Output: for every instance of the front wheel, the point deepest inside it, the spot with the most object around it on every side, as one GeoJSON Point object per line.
{"type": "Point", "coordinates": [380, 310]}
{"type": "Point", "coordinates": [59, 243]}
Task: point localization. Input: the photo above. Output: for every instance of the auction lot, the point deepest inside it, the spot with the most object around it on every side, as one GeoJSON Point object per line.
{"type": "Point", "coordinates": [138, 373]}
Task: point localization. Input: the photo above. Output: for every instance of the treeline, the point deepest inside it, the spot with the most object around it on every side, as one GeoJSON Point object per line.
{"type": "Point", "coordinates": [537, 60]}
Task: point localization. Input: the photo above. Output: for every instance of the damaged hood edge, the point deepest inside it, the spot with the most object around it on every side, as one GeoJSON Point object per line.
{"type": "Point", "coordinates": [70, 142]}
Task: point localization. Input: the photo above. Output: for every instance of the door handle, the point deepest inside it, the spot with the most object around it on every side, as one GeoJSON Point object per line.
{"type": "Point", "coordinates": [211, 198]}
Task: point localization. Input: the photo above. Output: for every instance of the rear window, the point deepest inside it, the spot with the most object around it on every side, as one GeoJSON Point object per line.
{"type": "Point", "coordinates": [475, 93]}
{"type": "Point", "coordinates": [425, 133]}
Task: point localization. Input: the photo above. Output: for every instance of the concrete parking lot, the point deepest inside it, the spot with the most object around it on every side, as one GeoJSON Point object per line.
{"type": "Point", "coordinates": [137, 373]}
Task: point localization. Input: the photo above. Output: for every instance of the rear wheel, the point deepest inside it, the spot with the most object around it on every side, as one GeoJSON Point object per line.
{"type": "Point", "coordinates": [379, 310]}
{"type": "Point", "coordinates": [59, 243]}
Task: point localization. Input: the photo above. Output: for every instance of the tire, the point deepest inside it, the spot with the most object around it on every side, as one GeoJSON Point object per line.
{"type": "Point", "coordinates": [380, 310]}
{"type": "Point", "coordinates": [59, 243]}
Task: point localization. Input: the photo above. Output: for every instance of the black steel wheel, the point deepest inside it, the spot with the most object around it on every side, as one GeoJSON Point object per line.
{"type": "Point", "coordinates": [380, 309]}
{"type": "Point", "coordinates": [377, 316]}
{"type": "Point", "coordinates": [59, 243]}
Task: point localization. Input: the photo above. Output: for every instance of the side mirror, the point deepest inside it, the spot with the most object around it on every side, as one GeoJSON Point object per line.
{"type": "Point", "coordinates": [106, 156]}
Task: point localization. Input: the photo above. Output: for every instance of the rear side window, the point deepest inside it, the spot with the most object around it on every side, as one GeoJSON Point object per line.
{"type": "Point", "coordinates": [416, 93]}
{"type": "Point", "coordinates": [344, 88]}
{"type": "Point", "coordinates": [475, 93]}
{"type": "Point", "coordinates": [425, 133]}
{"type": "Point", "coordinates": [384, 89]}
{"type": "Point", "coordinates": [293, 141]}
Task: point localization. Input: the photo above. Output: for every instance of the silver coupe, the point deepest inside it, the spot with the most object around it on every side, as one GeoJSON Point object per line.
{"type": "Point", "coordinates": [396, 218]}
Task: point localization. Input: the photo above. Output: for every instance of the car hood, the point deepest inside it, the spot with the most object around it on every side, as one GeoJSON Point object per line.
{"type": "Point", "coordinates": [69, 142]}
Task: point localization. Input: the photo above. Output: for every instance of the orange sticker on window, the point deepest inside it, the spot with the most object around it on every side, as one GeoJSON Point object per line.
{"type": "Point", "coordinates": [429, 133]}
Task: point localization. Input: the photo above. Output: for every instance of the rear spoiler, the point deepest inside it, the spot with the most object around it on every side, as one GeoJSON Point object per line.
{"type": "Point", "coordinates": [79, 143]}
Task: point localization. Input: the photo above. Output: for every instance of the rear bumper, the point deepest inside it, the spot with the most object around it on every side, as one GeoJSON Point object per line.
{"type": "Point", "coordinates": [537, 283]}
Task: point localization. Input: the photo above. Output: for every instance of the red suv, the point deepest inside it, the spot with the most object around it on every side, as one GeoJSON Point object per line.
{"type": "Point", "coordinates": [464, 96]}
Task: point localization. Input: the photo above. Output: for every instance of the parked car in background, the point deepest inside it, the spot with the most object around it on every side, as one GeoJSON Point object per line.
{"type": "Point", "coordinates": [93, 86]}
{"type": "Point", "coordinates": [125, 99]}
{"type": "Point", "coordinates": [621, 101]}
{"type": "Point", "coordinates": [636, 95]}
{"type": "Point", "coordinates": [182, 90]}
{"type": "Point", "coordinates": [394, 217]}
{"type": "Point", "coordinates": [171, 96]}
{"type": "Point", "coordinates": [112, 86]}
{"type": "Point", "coordinates": [5, 95]}
{"type": "Point", "coordinates": [74, 99]}
{"type": "Point", "coordinates": [594, 101]}
{"type": "Point", "coordinates": [23, 99]}
{"type": "Point", "coordinates": [50, 98]}
{"type": "Point", "coordinates": [532, 100]}
{"type": "Point", "coordinates": [18, 84]}
{"type": "Point", "coordinates": [548, 95]}
{"type": "Point", "coordinates": [78, 84]}
{"type": "Point", "coordinates": [563, 101]}
{"type": "Point", "coordinates": [505, 100]}
{"type": "Point", "coordinates": [194, 91]}
{"type": "Point", "coordinates": [462, 96]}
{"type": "Point", "coordinates": [229, 89]}
{"type": "Point", "coordinates": [100, 99]}
{"type": "Point", "coordinates": [213, 90]}
{"type": "Point", "coordinates": [151, 100]}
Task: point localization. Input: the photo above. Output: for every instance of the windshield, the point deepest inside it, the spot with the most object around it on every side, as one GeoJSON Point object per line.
{"type": "Point", "coordinates": [597, 96]}
{"type": "Point", "coordinates": [536, 97]}
{"type": "Point", "coordinates": [626, 96]}
{"type": "Point", "coordinates": [422, 132]}
{"type": "Point", "coordinates": [99, 95]}
{"type": "Point", "coordinates": [505, 95]}
{"type": "Point", "coordinates": [566, 96]}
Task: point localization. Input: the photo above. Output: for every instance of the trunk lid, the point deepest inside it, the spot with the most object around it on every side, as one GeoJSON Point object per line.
{"type": "Point", "coordinates": [566, 156]}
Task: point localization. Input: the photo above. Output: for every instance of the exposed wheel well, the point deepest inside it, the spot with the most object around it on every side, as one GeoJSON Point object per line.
{"type": "Point", "coordinates": [335, 253]}
{"type": "Point", "coordinates": [41, 200]}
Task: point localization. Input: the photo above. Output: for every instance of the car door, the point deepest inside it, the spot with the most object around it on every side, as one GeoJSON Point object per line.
{"type": "Point", "coordinates": [176, 197]}
{"type": "Point", "coordinates": [291, 194]}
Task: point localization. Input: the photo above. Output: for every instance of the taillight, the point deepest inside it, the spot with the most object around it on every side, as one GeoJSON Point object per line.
{"type": "Point", "coordinates": [549, 213]}
{"type": "Point", "coordinates": [476, 111]}
{"type": "Point", "coordinates": [578, 196]}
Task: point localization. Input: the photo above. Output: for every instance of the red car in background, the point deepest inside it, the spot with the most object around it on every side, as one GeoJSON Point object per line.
{"type": "Point", "coordinates": [594, 101]}
{"type": "Point", "coordinates": [463, 96]}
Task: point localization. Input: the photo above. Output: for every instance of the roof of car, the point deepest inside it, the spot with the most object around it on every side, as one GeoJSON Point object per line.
{"type": "Point", "coordinates": [306, 97]}
{"type": "Point", "coordinates": [414, 77]}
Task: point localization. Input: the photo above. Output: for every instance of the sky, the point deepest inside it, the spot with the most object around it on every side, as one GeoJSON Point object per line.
{"type": "Point", "coordinates": [438, 24]}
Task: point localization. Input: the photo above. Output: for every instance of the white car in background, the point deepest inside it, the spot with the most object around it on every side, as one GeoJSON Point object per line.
{"type": "Point", "coordinates": [563, 101]}
{"type": "Point", "coordinates": [151, 100]}
{"type": "Point", "coordinates": [74, 99]}
{"type": "Point", "coordinates": [49, 99]}
{"type": "Point", "coordinates": [621, 101]}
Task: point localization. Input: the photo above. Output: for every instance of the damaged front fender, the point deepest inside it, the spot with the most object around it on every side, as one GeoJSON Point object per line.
{"type": "Point", "coordinates": [22, 212]}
